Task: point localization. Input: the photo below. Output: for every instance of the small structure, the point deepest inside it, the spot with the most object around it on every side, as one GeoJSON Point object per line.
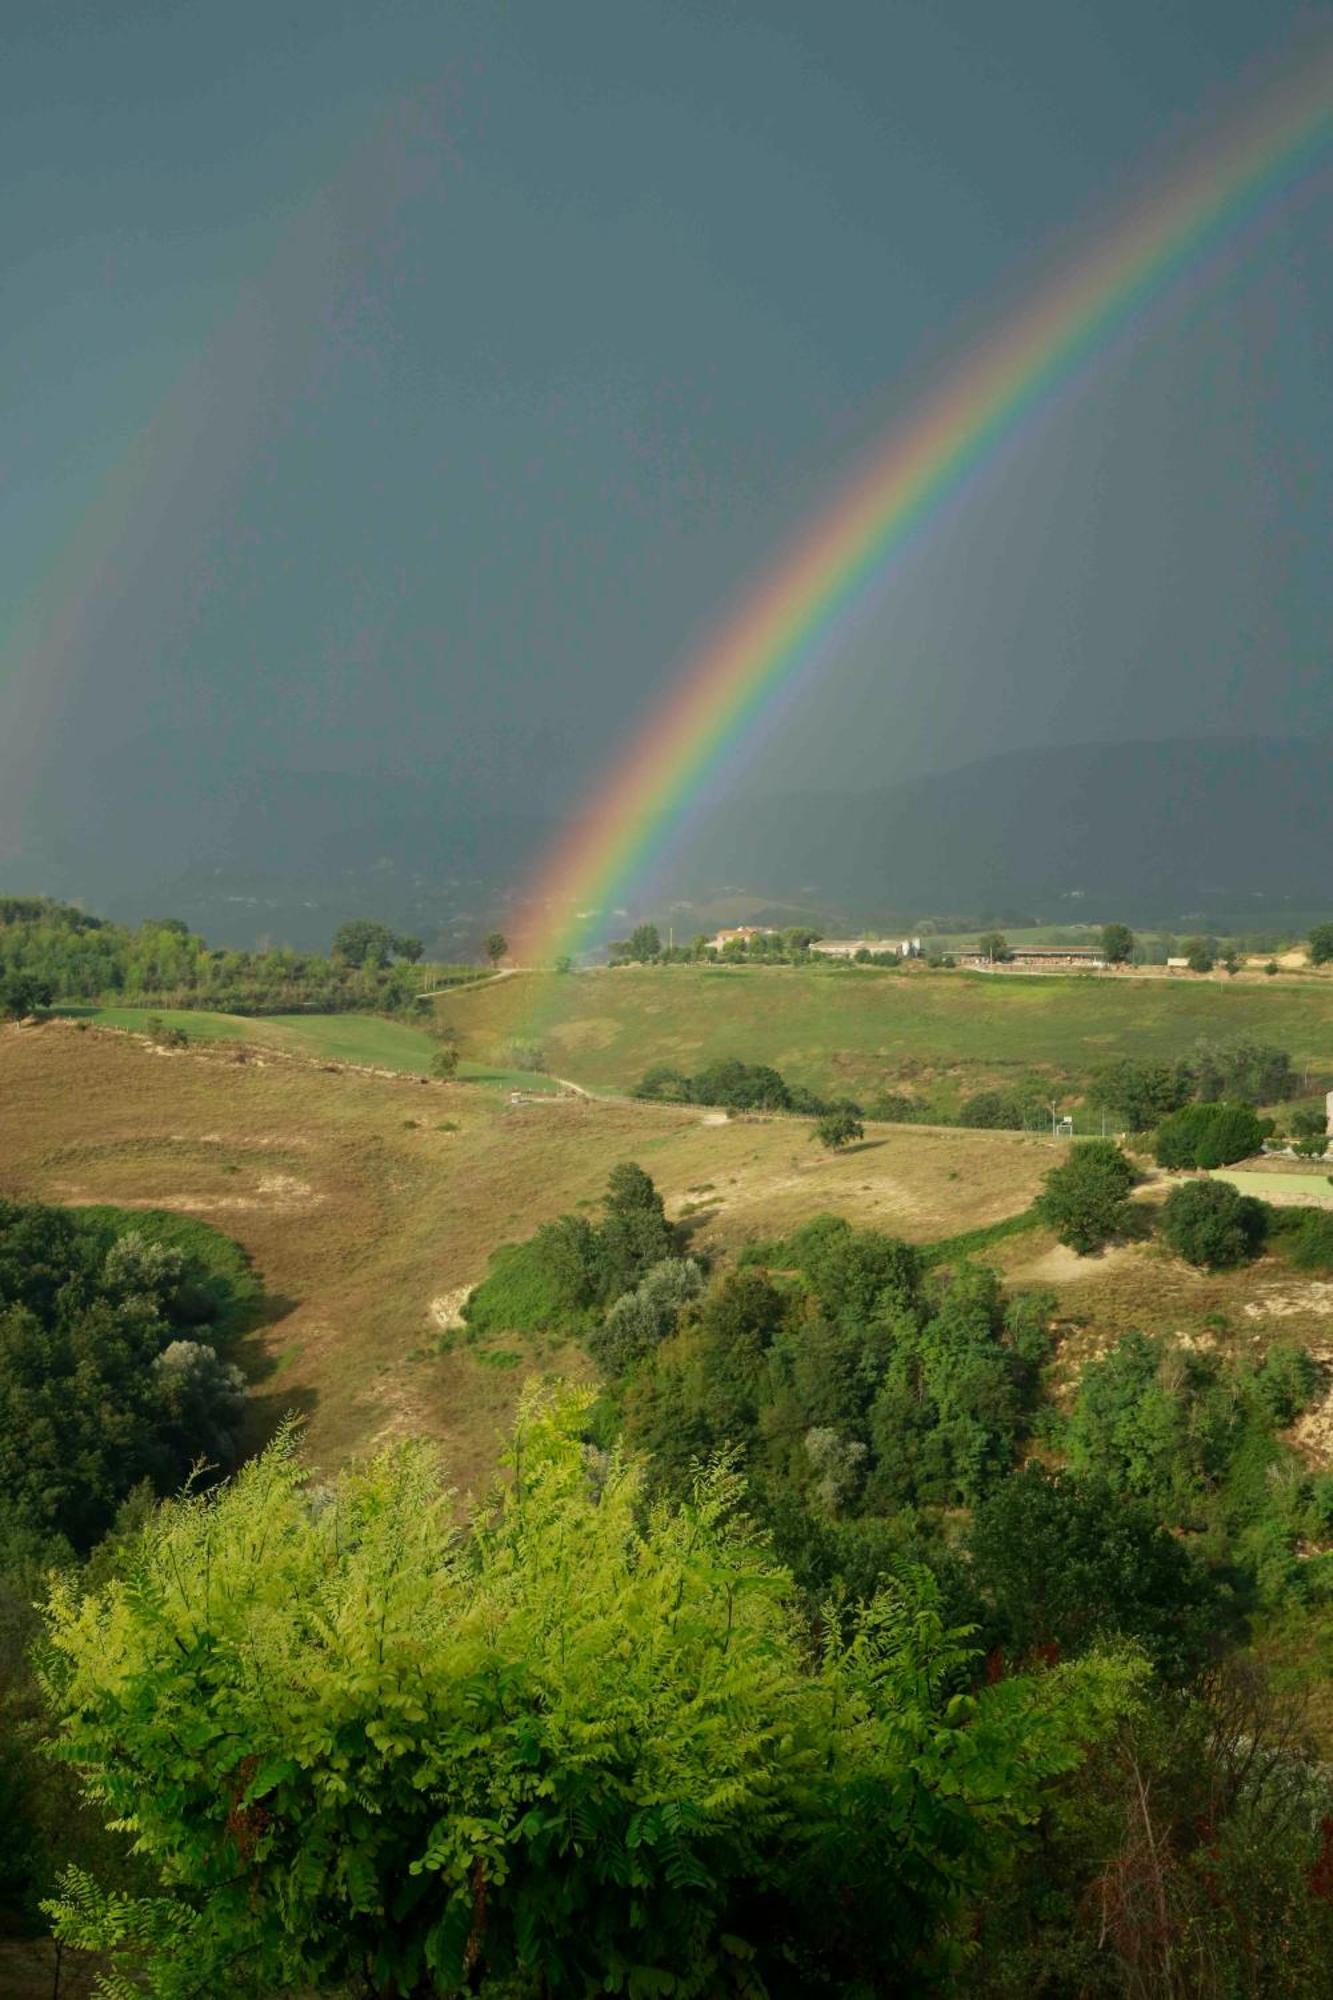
{"type": "Point", "coordinates": [1042, 958]}
{"type": "Point", "coordinates": [742, 934]}
{"type": "Point", "coordinates": [877, 947]}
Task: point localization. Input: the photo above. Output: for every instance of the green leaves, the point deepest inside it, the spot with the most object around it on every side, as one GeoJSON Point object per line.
{"type": "Point", "coordinates": [581, 1741]}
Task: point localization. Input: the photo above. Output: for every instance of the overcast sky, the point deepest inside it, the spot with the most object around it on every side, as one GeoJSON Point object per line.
{"type": "Point", "coordinates": [407, 388]}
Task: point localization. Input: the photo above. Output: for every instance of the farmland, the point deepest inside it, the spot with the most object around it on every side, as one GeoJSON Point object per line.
{"type": "Point", "coordinates": [863, 1030]}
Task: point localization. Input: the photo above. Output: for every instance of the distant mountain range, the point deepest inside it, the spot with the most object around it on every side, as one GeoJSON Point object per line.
{"type": "Point", "coordinates": [1154, 831]}
{"type": "Point", "coordinates": [1167, 832]}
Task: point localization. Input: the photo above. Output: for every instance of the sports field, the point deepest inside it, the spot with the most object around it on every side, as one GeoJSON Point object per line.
{"type": "Point", "coordinates": [936, 1035]}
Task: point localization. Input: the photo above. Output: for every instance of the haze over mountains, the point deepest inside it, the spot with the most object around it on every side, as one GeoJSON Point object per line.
{"type": "Point", "coordinates": [1167, 831]}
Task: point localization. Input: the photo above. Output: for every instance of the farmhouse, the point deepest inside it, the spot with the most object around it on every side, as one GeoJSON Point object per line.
{"type": "Point", "coordinates": [878, 947]}
{"type": "Point", "coordinates": [1042, 958]}
{"type": "Point", "coordinates": [741, 935]}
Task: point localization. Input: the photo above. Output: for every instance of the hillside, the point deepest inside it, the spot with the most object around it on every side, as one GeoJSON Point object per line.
{"type": "Point", "coordinates": [862, 1031]}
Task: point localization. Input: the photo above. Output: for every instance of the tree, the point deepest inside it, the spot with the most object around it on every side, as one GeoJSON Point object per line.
{"type": "Point", "coordinates": [444, 1064]}
{"type": "Point", "coordinates": [497, 944]}
{"type": "Point", "coordinates": [1117, 943]}
{"type": "Point", "coordinates": [1209, 1135]}
{"type": "Point", "coordinates": [408, 948]}
{"type": "Point", "coordinates": [994, 946]}
{"type": "Point", "coordinates": [837, 1129]}
{"type": "Point", "coordinates": [582, 1738]}
{"type": "Point", "coordinates": [645, 943]}
{"type": "Point", "coordinates": [21, 994]}
{"type": "Point", "coordinates": [1085, 1200]}
{"type": "Point", "coordinates": [1321, 944]}
{"type": "Point", "coordinates": [362, 942]}
{"type": "Point", "coordinates": [1243, 1070]}
{"type": "Point", "coordinates": [1198, 955]}
{"type": "Point", "coordinates": [1141, 1093]}
{"type": "Point", "coordinates": [1212, 1225]}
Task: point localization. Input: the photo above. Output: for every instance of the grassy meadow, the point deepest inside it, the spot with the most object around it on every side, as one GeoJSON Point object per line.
{"type": "Point", "coordinates": [863, 1029]}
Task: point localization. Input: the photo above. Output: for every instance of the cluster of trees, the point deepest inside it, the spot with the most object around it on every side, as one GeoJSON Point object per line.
{"type": "Point", "coordinates": [50, 952]}
{"type": "Point", "coordinates": [114, 1388]}
{"type": "Point", "coordinates": [109, 1369]}
{"type": "Point", "coordinates": [781, 1666]}
{"type": "Point", "coordinates": [573, 1269]}
{"type": "Point", "coordinates": [737, 1086]}
{"type": "Point", "coordinates": [1140, 1093]}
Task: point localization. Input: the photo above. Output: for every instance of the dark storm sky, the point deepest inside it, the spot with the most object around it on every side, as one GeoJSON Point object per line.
{"type": "Point", "coordinates": [406, 388]}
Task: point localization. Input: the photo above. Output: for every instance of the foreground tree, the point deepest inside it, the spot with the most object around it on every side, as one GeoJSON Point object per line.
{"type": "Point", "coordinates": [497, 944]}
{"type": "Point", "coordinates": [584, 1746]}
{"type": "Point", "coordinates": [1321, 944]}
{"type": "Point", "coordinates": [1085, 1201]}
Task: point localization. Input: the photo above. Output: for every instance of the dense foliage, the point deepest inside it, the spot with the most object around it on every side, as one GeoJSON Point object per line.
{"type": "Point", "coordinates": [1240, 1071]}
{"type": "Point", "coordinates": [49, 951]}
{"type": "Point", "coordinates": [584, 1746]}
{"type": "Point", "coordinates": [107, 1374]}
{"type": "Point", "coordinates": [561, 1279]}
{"type": "Point", "coordinates": [737, 1086]}
{"type": "Point", "coordinates": [1209, 1135]}
{"type": "Point", "coordinates": [1210, 1224]}
{"type": "Point", "coordinates": [1086, 1200]}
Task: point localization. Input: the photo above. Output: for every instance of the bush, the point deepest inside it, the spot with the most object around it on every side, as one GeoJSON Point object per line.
{"type": "Point", "coordinates": [995, 1110]}
{"type": "Point", "coordinates": [640, 1320]}
{"type": "Point", "coordinates": [1085, 1199]}
{"type": "Point", "coordinates": [837, 1129]}
{"type": "Point", "coordinates": [1209, 1135]}
{"type": "Point", "coordinates": [1305, 1236]}
{"type": "Point", "coordinates": [1211, 1225]}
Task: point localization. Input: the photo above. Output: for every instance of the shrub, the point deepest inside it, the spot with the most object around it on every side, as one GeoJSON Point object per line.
{"type": "Point", "coordinates": [1085, 1199]}
{"type": "Point", "coordinates": [1211, 1225]}
{"type": "Point", "coordinates": [1209, 1135]}
{"type": "Point", "coordinates": [837, 1129]}
{"type": "Point", "coordinates": [1305, 1236]}
{"type": "Point", "coordinates": [640, 1320]}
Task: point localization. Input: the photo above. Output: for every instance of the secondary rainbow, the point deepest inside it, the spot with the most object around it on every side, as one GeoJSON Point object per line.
{"type": "Point", "coordinates": [791, 621]}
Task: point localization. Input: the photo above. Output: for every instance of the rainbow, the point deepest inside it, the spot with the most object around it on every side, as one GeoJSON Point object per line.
{"type": "Point", "coordinates": [791, 623]}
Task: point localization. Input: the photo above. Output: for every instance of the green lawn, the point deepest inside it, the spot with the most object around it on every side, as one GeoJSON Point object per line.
{"type": "Point", "coordinates": [935, 1035]}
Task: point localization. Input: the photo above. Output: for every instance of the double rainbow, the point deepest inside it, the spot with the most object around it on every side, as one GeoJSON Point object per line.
{"type": "Point", "coordinates": [791, 623]}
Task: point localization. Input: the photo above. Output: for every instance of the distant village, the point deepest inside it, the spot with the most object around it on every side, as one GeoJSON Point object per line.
{"type": "Point", "coordinates": [1033, 958]}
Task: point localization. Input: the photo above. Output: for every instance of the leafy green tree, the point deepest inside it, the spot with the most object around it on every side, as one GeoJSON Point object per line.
{"type": "Point", "coordinates": [1141, 1093]}
{"type": "Point", "coordinates": [408, 948]}
{"type": "Point", "coordinates": [497, 945]}
{"type": "Point", "coordinates": [1085, 1200]}
{"type": "Point", "coordinates": [999, 1111]}
{"type": "Point", "coordinates": [635, 1232]}
{"type": "Point", "coordinates": [1117, 944]}
{"type": "Point", "coordinates": [444, 1064]}
{"type": "Point", "coordinates": [645, 943]}
{"type": "Point", "coordinates": [1209, 1135]}
{"type": "Point", "coordinates": [582, 1740]}
{"type": "Point", "coordinates": [837, 1129]}
{"type": "Point", "coordinates": [642, 1319]}
{"type": "Point", "coordinates": [1211, 1224]}
{"type": "Point", "coordinates": [1198, 955]}
{"type": "Point", "coordinates": [1321, 944]}
{"type": "Point", "coordinates": [363, 942]}
{"type": "Point", "coordinates": [23, 993]}
{"type": "Point", "coordinates": [994, 945]}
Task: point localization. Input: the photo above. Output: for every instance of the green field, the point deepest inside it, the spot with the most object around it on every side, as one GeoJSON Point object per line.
{"type": "Point", "coordinates": [368, 1040]}
{"type": "Point", "coordinates": [1283, 1189]}
{"type": "Point", "coordinates": [936, 1035]}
